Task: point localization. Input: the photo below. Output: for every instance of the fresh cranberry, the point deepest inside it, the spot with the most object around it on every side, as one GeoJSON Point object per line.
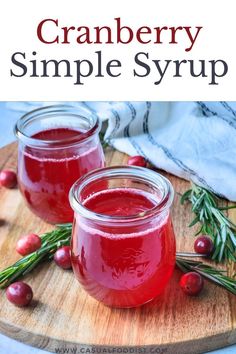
{"type": "Point", "coordinates": [19, 293]}
{"type": "Point", "coordinates": [8, 179]}
{"type": "Point", "coordinates": [28, 244]}
{"type": "Point", "coordinates": [137, 161]}
{"type": "Point", "coordinates": [62, 257]}
{"type": "Point", "coordinates": [203, 245]}
{"type": "Point", "coordinates": [191, 283]}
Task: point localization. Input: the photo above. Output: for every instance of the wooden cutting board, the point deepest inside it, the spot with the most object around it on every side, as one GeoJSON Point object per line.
{"type": "Point", "coordinates": [63, 315]}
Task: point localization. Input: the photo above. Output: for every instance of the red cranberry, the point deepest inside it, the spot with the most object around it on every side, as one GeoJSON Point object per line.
{"type": "Point", "coordinates": [62, 257]}
{"type": "Point", "coordinates": [8, 179]}
{"type": "Point", "coordinates": [204, 245]}
{"type": "Point", "coordinates": [191, 283]}
{"type": "Point", "coordinates": [19, 293]}
{"type": "Point", "coordinates": [28, 244]}
{"type": "Point", "coordinates": [137, 161]}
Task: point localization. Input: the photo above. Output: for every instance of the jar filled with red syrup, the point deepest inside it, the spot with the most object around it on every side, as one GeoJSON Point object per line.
{"type": "Point", "coordinates": [123, 243]}
{"type": "Point", "coordinates": [57, 145]}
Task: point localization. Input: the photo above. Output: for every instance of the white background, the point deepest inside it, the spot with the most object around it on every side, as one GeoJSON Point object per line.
{"type": "Point", "coordinates": [19, 21]}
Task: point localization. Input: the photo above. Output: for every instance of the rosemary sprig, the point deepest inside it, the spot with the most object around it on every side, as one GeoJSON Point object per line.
{"type": "Point", "coordinates": [214, 222]}
{"type": "Point", "coordinates": [51, 241]}
{"type": "Point", "coordinates": [215, 275]}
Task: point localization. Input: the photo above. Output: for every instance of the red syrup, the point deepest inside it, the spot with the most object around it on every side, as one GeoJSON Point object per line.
{"type": "Point", "coordinates": [128, 265]}
{"type": "Point", "coordinates": [46, 175]}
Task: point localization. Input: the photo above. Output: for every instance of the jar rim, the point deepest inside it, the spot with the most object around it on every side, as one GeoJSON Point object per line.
{"type": "Point", "coordinates": [140, 174]}
{"type": "Point", "coordinates": [52, 111]}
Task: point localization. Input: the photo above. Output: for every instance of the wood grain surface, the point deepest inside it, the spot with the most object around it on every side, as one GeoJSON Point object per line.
{"type": "Point", "coordinates": [62, 315]}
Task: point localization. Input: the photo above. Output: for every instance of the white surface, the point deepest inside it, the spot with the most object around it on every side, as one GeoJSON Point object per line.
{"type": "Point", "coordinates": [8, 115]}
{"type": "Point", "coordinates": [215, 41]}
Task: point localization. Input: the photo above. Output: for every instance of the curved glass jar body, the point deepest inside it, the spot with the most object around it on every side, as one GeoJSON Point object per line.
{"type": "Point", "coordinates": [57, 145]}
{"type": "Point", "coordinates": [122, 260]}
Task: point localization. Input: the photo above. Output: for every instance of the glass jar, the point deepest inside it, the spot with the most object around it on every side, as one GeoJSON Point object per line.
{"type": "Point", "coordinates": [123, 243]}
{"type": "Point", "coordinates": [57, 145]}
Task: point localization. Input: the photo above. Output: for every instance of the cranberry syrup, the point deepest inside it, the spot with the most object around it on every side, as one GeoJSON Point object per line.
{"type": "Point", "coordinates": [128, 267]}
{"type": "Point", "coordinates": [46, 176]}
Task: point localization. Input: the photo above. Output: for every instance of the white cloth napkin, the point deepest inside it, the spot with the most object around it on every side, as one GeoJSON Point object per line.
{"type": "Point", "coordinates": [193, 140]}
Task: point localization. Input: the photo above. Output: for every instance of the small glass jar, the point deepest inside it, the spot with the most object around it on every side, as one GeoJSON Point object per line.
{"type": "Point", "coordinates": [57, 145]}
{"type": "Point", "coordinates": [123, 243]}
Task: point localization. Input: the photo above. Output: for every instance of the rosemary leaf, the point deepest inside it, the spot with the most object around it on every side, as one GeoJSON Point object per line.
{"type": "Point", "coordinates": [213, 222]}
{"type": "Point", "coordinates": [217, 276]}
{"type": "Point", "coordinates": [51, 241]}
